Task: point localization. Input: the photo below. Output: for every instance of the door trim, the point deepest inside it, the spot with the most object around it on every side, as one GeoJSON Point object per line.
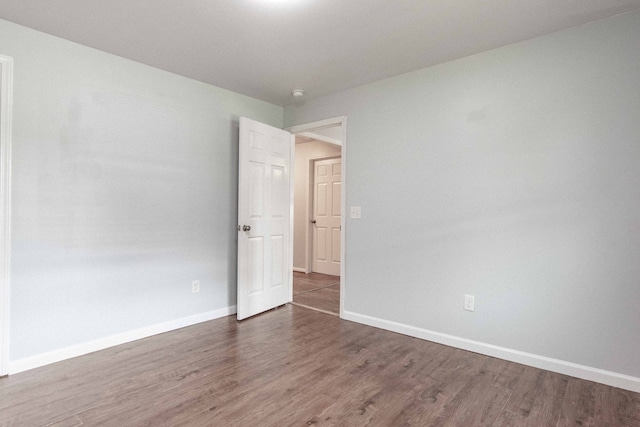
{"type": "Point", "coordinates": [310, 127]}
{"type": "Point", "coordinates": [6, 105]}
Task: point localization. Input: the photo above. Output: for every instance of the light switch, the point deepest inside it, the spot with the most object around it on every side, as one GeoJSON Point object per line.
{"type": "Point", "coordinates": [356, 212]}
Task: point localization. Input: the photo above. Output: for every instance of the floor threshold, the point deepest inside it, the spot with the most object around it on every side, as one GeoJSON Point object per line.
{"type": "Point", "coordinates": [297, 304]}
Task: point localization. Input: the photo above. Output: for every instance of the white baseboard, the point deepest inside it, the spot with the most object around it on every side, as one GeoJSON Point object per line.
{"type": "Point", "coordinates": [300, 270]}
{"type": "Point", "coordinates": [113, 340]}
{"type": "Point", "coordinates": [555, 365]}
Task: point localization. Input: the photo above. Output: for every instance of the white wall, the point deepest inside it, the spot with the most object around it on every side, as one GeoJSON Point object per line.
{"type": "Point", "coordinates": [124, 191]}
{"type": "Point", "coordinates": [305, 152]}
{"type": "Point", "coordinates": [512, 175]}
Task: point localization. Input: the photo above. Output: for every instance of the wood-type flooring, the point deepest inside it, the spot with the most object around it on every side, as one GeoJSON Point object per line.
{"type": "Point", "coordinates": [318, 291]}
{"type": "Point", "coordinates": [298, 367]}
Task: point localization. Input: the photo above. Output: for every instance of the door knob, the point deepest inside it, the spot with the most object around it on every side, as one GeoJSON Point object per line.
{"type": "Point", "coordinates": [313, 221]}
{"type": "Point", "coordinates": [246, 228]}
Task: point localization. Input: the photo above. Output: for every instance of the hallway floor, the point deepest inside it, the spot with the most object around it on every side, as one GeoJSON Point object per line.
{"type": "Point", "coordinates": [317, 291]}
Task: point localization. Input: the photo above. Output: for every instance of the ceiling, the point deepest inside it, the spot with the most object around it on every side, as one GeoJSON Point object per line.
{"type": "Point", "coordinates": [266, 48]}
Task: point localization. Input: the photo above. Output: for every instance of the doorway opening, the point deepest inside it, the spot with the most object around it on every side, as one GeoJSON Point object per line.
{"type": "Point", "coordinates": [318, 226]}
{"type": "Point", "coordinates": [265, 211]}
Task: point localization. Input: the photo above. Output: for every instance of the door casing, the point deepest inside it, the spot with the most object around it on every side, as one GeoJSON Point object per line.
{"type": "Point", "coordinates": [6, 93]}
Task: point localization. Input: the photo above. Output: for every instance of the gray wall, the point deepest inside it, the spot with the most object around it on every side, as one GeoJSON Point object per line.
{"type": "Point", "coordinates": [512, 175]}
{"type": "Point", "coordinates": [124, 191]}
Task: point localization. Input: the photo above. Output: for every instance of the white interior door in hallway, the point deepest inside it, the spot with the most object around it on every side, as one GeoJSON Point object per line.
{"type": "Point", "coordinates": [264, 218]}
{"type": "Point", "coordinates": [327, 183]}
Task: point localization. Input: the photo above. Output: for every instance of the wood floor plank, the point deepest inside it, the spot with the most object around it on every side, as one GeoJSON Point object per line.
{"type": "Point", "coordinates": [546, 407]}
{"type": "Point", "coordinates": [525, 392]}
{"type": "Point", "coordinates": [627, 407]}
{"type": "Point", "coordinates": [578, 408]}
{"type": "Point", "coordinates": [73, 421]}
{"type": "Point", "coordinates": [293, 367]}
{"type": "Point", "coordinates": [604, 407]}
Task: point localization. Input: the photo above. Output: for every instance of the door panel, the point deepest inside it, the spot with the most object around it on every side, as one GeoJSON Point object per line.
{"type": "Point", "coordinates": [326, 213]}
{"type": "Point", "coordinates": [335, 202]}
{"type": "Point", "coordinates": [264, 218]}
{"type": "Point", "coordinates": [255, 272]}
{"type": "Point", "coordinates": [335, 248]}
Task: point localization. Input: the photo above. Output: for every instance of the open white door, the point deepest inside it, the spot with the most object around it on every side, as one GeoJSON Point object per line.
{"type": "Point", "coordinates": [264, 218]}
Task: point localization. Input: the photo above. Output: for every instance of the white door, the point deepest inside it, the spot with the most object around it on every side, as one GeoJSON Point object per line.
{"type": "Point", "coordinates": [327, 183]}
{"type": "Point", "coordinates": [264, 218]}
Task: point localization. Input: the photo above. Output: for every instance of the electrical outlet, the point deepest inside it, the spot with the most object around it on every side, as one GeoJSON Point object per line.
{"type": "Point", "coordinates": [195, 286]}
{"type": "Point", "coordinates": [469, 302]}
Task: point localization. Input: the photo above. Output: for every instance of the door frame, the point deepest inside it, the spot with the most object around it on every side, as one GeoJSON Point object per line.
{"type": "Point", "coordinates": [310, 127]}
{"type": "Point", "coordinates": [6, 105]}
{"type": "Point", "coordinates": [310, 208]}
